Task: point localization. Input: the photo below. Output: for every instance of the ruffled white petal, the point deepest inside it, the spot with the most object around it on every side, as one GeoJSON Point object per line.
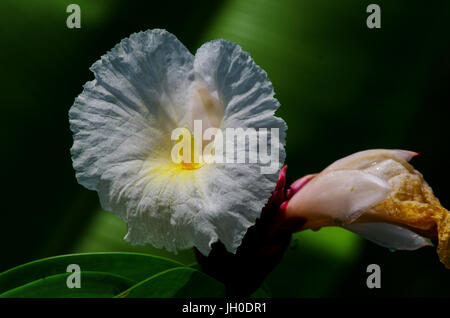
{"type": "Point", "coordinates": [145, 87]}
{"type": "Point", "coordinates": [150, 71]}
{"type": "Point", "coordinates": [137, 93]}
{"type": "Point", "coordinates": [247, 96]}
{"type": "Point", "coordinates": [389, 235]}
{"type": "Point", "coordinates": [242, 86]}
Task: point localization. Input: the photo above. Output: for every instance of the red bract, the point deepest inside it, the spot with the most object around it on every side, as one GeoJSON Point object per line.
{"type": "Point", "coordinates": [262, 247]}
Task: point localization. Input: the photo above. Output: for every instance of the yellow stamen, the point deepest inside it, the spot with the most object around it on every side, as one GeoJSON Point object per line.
{"type": "Point", "coordinates": [192, 161]}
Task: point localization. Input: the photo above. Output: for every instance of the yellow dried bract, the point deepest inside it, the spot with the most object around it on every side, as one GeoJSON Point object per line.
{"type": "Point", "coordinates": [443, 248]}
{"type": "Point", "coordinates": [412, 205]}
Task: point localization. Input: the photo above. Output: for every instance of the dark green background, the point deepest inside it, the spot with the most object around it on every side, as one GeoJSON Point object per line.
{"type": "Point", "coordinates": [342, 87]}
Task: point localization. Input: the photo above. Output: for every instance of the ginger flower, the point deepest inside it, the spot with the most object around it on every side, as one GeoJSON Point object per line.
{"type": "Point", "coordinates": [377, 194]}
{"type": "Point", "coordinates": [149, 93]}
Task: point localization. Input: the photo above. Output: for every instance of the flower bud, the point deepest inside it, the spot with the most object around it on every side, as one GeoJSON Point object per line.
{"type": "Point", "coordinates": [379, 195]}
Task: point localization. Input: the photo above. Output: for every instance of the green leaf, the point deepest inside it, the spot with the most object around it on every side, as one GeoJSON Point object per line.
{"type": "Point", "coordinates": [262, 292]}
{"type": "Point", "coordinates": [177, 283]}
{"type": "Point", "coordinates": [196, 266]}
{"type": "Point", "coordinates": [93, 284]}
{"type": "Point", "coordinates": [133, 266]}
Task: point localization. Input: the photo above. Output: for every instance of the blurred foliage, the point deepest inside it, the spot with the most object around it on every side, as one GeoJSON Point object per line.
{"type": "Point", "coordinates": [314, 263]}
{"type": "Point", "coordinates": [342, 87]}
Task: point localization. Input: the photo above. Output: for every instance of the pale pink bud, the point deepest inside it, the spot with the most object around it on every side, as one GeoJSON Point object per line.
{"type": "Point", "coordinates": [377, 194]}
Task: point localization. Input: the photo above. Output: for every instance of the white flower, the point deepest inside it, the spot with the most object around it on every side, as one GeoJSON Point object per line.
{"type": "Point", "coordinates": [377, 194]}
{"type": "Point", "coordinates": [145, 87]}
